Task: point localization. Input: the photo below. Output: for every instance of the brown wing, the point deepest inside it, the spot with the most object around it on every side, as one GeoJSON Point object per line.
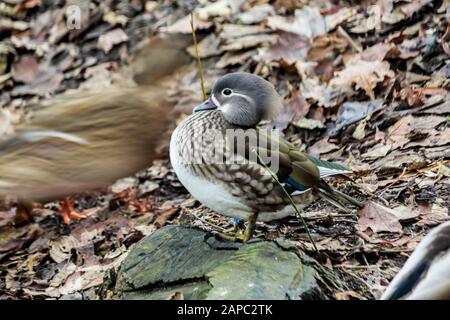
{"type": "Point", "coordinates": [246, 177]}
{"type": "Point", "coordinates": [292, 163]}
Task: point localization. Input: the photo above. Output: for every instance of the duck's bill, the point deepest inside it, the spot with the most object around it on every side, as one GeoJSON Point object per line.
{"type": "Point", "coordinates": [207, 105]}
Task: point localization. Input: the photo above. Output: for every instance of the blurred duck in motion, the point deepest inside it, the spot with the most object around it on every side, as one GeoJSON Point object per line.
{"type": "Point", "coordinates": [426, 274]}
{"type": "Point", "coordinates": [86, 140]}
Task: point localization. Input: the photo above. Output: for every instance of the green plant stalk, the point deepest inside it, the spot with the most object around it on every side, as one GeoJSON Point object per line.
{"type": "Point", "coordinates": [299, 216]}
{"type": "Point", "coordinates": [199, 63]}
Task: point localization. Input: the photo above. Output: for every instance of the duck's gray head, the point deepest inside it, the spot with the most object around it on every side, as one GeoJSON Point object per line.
{"type": "Point", "coordinates": [244, 99]}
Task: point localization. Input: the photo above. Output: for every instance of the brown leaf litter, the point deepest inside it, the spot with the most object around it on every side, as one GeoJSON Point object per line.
{"type": "Point", "coordinates": [364, 84]}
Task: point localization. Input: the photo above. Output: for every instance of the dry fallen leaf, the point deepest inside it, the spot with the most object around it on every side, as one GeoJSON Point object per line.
{"type": "Point", "coordinates": [363, 74]}
{"type": "Point", "coordinates": [108, 40]}
{"type": "Point", "coordinates": [399, 133]}
{"type": "Point", "coordinates": [232, 58]}
{"type": "Point", "coordinates": [98, 77]}
{"type": "Point", "coordinates": [249, 41]}
{"type": "Point", "coordinates": [288, 48]}
{"type": "Point", "coordinates": [350, 112]}
{"type": "Point", "coordinates": [433, 214]}
{"type": "Point", "coordinates": [208, 47]}
{"type": "Point", "coordinates": [325, 96]}
{"type": "Point", "coordinates": [379, 51]}
{"type": "Point", "coordinates": [360, 130]}
{"type": "Point", "coordinates": [26, 69]}
{"type": "Point", "coordinates": [405, 213]}
{"type": "Point", "coordinates": [335, 19]}
{"type": "Point", "coordinates": [62, 248]}
{"type": "Point", "coordinates": [63, 273]}
{"type": "Point", "coordinates": [378, 218]}
{"type": "Point", "coordinates": [366, 21]}
{"type": "Point", "coordinates": [349, 295]}
{"type": "Point", "coordinates": [7, 218]}
{"type": "Point", "coordinates": [310, 124]}
{"type": "Point", "coordinates": [220, 8]}
{"type": "Point", "coordinates": [414, 6]}
{"type": "Point", "coordinates": [294, 108]}
{"type": "Point", "coordinates": [15, 239]}
{"type": "Point", "coordinates": [296, 105]}
{"type": "Point", "coordinates": [7, 121]}
{"type": "Point", "coordinates": [124, 184]}
{"type": "Point", "coordinates": [164, 216]}
{"type": "Point", "coordinates": [39, 78]}
{"type": "Point", "coordinates": [322, 146]}
{"type": "Point", "coordinates": [307, 22]}
{"type": "Point", "coordinates": [256, 14]}
{"type": "Point", "coordinates": [176, 296]}
{"type": "Point", "coordinates": [284, 41]}
{"type": "Point", "coordinates": [184, 25]}
{"type": "Point", "coordinates": [230, 31]}
{"type": "Point", "coordinates": [377, 151]}
{"type": "Point", "coordinates": [408, 241]}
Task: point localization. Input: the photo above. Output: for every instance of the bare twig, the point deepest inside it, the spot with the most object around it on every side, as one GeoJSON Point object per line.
{"type": "Point", "coordinates": [379, 194]}
{"type": "Point", "coordinates": [352, 42]}
{"type": "Point", "coordinates": [199, 63]}
{"type": "Point", "coordinates": [207, 222]}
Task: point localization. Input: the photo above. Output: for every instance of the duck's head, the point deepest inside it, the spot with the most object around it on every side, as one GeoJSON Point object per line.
{"type": "Point", "coordinates": [244, 99]}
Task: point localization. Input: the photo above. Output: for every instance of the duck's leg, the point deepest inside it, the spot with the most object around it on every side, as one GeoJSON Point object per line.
{"type": "Point", "coordinates": [68, 212]}
{"type": "Point", "coordinates": [250, 228]}
{"type": "Point", "coordinates": [240, 235]}
{"type": "Point", "coordinates": [238, 223]}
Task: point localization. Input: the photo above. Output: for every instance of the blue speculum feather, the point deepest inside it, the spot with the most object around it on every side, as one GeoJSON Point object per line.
{"type": "Point", "coordinates": [292, 185]}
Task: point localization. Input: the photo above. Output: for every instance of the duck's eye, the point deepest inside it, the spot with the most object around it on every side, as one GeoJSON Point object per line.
{"type": "Point", "coordinates": [227, 92]}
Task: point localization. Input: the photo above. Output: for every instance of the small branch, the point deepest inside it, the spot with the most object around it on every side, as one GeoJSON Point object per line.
{"type": "Point", "coordinates": [352, 42]}
{"type": "Point", "coordinates": [199, 63]}
{"type": "Point", "coordinates": [207, 222]}
{"type": "Point", "coordinates": [299, 216]}
{"type": "Point", "coordinates": [379, 194]}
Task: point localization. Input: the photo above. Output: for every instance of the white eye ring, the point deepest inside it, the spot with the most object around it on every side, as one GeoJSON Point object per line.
{"type": "Point", "coordinates": [227, 92]}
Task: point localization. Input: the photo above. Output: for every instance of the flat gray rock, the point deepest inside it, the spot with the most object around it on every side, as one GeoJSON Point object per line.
{"type": "Point", "coordinates": [194, 264]}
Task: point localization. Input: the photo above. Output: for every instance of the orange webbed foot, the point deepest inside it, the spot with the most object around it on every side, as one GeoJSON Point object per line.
{"type": "Point", "coordinates": [68, 212]}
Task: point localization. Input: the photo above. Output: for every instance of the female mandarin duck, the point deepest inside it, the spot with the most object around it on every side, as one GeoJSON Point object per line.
{"type": "Point", "coordinates": [82, 142]}
{"type": "Point", "coordinates": [86, 140]}
{"type": "Point", "coordinates": [426, 274]}
{"type": "Point", "coordinates": [242, 188]}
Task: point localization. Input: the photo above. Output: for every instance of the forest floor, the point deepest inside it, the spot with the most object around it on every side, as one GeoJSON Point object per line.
{"type": "Point", "coordinates": [363, 83]}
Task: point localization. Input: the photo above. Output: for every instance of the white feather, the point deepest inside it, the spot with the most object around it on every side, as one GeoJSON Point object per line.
{"type": "Point", "coordinates": [38, 135]}
{"type": "Point", "coordinates": [215, 101]}
{"type": "Point", "coordinates": [326, 172]}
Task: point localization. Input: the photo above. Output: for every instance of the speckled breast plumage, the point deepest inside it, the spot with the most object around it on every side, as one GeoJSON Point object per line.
{"type": "Point", "coordinates": [242, 179]}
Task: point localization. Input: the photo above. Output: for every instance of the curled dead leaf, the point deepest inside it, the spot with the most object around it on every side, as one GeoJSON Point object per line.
{"type": "Point", "coordinates": [363, 74]}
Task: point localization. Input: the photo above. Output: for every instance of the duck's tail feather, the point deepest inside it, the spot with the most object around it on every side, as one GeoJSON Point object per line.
{"type": "Point", "coordinates": [337, 198]}
{"type": "Point", "coordinates": [327, 168]}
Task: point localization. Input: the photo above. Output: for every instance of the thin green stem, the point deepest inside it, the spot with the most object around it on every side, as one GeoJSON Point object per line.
{"type": "Point", "coordinates": [299, 216]}
{"type": "Point", "coordinates": [199, 63]}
